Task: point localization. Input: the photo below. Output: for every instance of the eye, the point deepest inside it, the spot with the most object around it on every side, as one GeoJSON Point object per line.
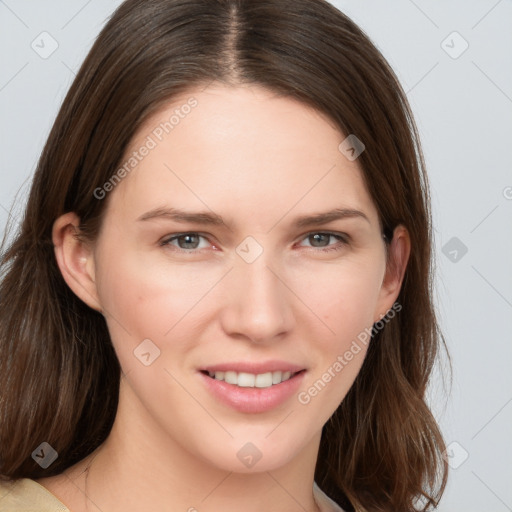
{"type": "Point", "coordinates": [193, 242]}
{"type": "Point", "coordinates": [322, 241]}
{"type": "Point", "coordinates": [186, 241]}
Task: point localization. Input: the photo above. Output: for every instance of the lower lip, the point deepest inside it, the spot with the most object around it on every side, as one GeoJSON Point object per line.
{"type": "Point", "coordinates": [253, 400]}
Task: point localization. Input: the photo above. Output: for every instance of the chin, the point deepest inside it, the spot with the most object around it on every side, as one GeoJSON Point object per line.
{"type": "Point", "coordinates": [250, 453]}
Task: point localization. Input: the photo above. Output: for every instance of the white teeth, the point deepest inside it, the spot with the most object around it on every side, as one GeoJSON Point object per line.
{"type": "Point", "coordinates": [277, 377]}
{"type": "Point", "coordinates": [250, 380]}
{"type": "Point", "coordinates": [263, 380]}
{"type": "Point", "coordinates": [230, 377]}
{"type": "Point", "coordinates": [246, 380]}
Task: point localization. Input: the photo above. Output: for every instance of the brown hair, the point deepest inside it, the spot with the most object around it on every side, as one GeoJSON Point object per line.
{"type": "Point", "coordinates": [59, 376]}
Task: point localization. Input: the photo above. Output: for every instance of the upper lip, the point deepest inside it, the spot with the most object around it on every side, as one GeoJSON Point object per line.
{"type": "Point", "coordinates": [253, 367]}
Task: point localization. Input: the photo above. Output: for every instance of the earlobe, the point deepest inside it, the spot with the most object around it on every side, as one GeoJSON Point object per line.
{"type": "Point", "coordinates": [75, 259]}
{"type": "Point", "coordinates": [399, 251]}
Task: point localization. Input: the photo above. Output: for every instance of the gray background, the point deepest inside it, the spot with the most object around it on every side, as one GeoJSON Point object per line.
{"type": "Point", "coordinates": [463, 106]}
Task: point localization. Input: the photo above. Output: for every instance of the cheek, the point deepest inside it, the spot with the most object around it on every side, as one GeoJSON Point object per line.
{"type": "Point", "coordinates": [343, 300]}
{"type": "Point", "coordinates": [343, 297]}
{"type": "Point", "coordinates": [148, 300]}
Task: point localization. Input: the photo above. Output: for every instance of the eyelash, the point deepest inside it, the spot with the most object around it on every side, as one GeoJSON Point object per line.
{"type": "Point", "coordinates": [343, 239]}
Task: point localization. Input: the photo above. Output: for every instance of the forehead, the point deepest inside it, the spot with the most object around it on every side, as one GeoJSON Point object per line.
{"type": "Point", "coordinates": [246, 147]}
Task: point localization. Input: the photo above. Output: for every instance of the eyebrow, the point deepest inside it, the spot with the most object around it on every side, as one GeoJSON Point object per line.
{"type": "Point", "coordinates": [183, 216]}
{"type": "Point", "coordinates": [325, 217]}
{"type": "Point", "coordinates": [213, 219]}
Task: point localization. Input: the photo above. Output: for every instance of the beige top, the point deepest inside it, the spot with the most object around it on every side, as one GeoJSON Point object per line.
{"type": "Point", "coordinates": [26, 495]}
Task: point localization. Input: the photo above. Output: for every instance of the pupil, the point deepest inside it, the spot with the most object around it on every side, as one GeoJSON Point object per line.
{"type": "Point", "coordinates": [190, 241]}
{"type": "Point", "coordinates": [319, 237]}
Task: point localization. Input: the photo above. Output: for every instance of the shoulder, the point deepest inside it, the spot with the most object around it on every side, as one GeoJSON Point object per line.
{"type": "Point", "coordinates": [325, 504]}
{"type": "Point", "coordinates": [26, 495]}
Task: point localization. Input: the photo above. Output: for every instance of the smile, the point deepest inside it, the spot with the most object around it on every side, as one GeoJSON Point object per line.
{"type": "Point", "coordinates": [251, 380]}
{"type": "Point", "coordinates": [252, 392]}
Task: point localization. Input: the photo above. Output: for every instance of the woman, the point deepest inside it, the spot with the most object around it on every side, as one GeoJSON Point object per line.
{"type": "Point", "coordinates": [220, 295]}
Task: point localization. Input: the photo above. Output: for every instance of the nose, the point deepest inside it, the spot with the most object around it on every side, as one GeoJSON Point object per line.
{"type": "Point", "coordinates": [258, 304]}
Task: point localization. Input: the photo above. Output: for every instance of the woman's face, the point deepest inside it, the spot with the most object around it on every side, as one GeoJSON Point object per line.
{"type": "Point", "coordinates": [213, 255]}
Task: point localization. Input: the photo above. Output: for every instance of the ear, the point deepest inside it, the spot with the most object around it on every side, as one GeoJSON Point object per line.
{"type": "Point", "coordinates": [398, 256]}
{"type": "Point", "coordinates": [75, 259]}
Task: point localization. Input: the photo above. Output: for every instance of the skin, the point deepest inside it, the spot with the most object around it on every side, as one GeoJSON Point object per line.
{"type": "Point", "coordinates": [260, 161]}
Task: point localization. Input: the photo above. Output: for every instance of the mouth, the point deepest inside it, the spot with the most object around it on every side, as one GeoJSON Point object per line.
{"type": "Point", "coordinates": [252, 380]}
{"type": "Point", "coordinates": [253, 387]}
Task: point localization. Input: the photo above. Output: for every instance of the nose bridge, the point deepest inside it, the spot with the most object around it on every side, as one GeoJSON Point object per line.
{"type": "Point", "coordinates": [259, 304]}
